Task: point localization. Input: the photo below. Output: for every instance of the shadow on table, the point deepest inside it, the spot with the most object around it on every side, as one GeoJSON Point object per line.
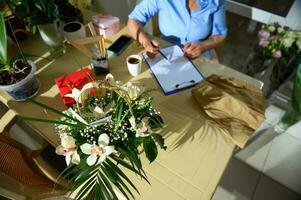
{"type": "Point", "coordinates": [184, 120]}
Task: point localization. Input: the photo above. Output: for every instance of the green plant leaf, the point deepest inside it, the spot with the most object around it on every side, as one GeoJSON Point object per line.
{"type": "Point", "coordinates": [3, 40]}
{"type": "Point", "coordinates": [150, 148]}
{"type": "Point", "coordinates": [159, 139]}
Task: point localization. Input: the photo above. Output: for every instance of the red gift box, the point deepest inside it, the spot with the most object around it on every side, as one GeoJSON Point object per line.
{"type": "Point", "coordinates": [72, 80]}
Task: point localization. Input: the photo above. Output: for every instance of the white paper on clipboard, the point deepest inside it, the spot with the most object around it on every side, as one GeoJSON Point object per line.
{"type": "Point", "coordinates": [176, 73]}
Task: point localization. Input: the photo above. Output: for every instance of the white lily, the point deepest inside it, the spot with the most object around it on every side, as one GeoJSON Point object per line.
{"type": "Point", "coordinates": [98, 112]}
{"type": "Point", "coordinates": [142, 128]}
{"type": "Point", "coordinates": [133, 90]}
{"type": "Point", "coordinates": [68, 148]}
{"type": "Point", "coordinates": [110, 79]}
{"type": "Point", "coordinates": [74, 94]}
{"type": "Point", "coordinates": [100, 151]}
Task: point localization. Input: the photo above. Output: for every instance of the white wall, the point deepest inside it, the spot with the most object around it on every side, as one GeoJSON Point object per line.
{"type": "Point", "coordinates": [119, 8]}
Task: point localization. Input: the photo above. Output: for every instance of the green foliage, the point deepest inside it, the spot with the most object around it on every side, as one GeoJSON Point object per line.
{"type": "Point", "coordinates": [37, 12]}
{"type": "Point", "coordinates": [4, 65]}
{"type": "Point", "coordinates": [130, 129]}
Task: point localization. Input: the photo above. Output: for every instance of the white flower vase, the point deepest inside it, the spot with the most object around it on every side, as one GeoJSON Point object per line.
{"type": "Point", "coordinates": [52, 35]}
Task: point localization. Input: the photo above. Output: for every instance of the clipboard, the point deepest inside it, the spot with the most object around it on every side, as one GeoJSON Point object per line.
{"type": "Point", "coordinates": [175, 73]}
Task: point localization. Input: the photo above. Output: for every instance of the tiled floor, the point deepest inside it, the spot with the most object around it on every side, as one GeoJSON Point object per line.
{"type": "Point", "coordinates": [268, 168]}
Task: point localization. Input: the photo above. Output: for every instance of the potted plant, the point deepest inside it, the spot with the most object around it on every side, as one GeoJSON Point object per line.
{"type": "Point", "coordinates": [68, 12]}
{"type": "Point", "coordinates": [16, 74]}
{"type": "Point", "coordinates": [42, 15]}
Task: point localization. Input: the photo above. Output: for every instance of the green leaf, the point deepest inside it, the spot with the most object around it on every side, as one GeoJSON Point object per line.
{"type": "Point", "coordinates": [132, 156]}
{"type": "Point", "coordinates": [3, 40]}
{"type": "Point", "coordinates": [159, 139]}
{"type": "Point", "coordinates": [150, 148]}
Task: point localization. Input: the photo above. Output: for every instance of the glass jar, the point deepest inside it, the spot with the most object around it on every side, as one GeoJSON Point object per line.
{"type": "Point", "coordinates": [293, 113]}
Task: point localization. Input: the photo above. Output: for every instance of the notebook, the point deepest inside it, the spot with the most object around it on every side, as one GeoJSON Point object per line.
{"type": "Point", "coordinates": [176, 73]}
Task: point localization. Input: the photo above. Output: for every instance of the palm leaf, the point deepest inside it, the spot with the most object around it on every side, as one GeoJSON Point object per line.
{"type": "Point", "coordinates": [120, 173]}
{"type": "Point", "coordinates": [54, 110]}
{"type": "Point", "coordinates": [116, 180]}
{"type": "Point", "coordinates": [108, 185]}
{"type": "Point", "coordinates": [51, 121]}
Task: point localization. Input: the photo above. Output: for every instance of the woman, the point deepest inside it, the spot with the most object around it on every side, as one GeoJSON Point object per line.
{"type": "Point", "coordinates": [198, 25]}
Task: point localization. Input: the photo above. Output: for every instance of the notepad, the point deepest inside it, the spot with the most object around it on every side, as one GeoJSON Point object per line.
{"type": "Point", "coordinates": [176, 73]}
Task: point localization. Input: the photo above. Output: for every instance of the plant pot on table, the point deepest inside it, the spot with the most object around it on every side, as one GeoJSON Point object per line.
{"type": "Point", "coordinates": [24, 88]}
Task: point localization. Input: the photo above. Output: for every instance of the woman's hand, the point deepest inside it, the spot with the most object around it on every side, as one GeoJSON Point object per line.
{"type": "Point", "coordinates": [150, 46]}
{"type": "Point", "coordinates": [136, 30]}
{"type": "Point", "coordinates": [192, 50]}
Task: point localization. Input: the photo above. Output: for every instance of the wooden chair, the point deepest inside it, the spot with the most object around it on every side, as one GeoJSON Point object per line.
{"type": "Point", "coordinates": [24, 174]}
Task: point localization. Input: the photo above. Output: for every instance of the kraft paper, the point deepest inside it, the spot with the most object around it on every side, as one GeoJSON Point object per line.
{"type": "Point", "coordinates": [233, 104]}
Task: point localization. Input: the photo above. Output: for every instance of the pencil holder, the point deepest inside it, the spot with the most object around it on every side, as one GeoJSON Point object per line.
{"type": "Point", "coordinates": [101, 65]}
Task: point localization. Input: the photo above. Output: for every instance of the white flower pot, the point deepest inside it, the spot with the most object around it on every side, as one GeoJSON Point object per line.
{"type": "Point", "coordinates": [24, 89]}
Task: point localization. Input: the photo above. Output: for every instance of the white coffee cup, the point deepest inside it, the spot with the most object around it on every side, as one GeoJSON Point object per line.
{"type": "Point", "coordinates": [134, 63]}
{"type": "Point", "coordinates": [74, 30]}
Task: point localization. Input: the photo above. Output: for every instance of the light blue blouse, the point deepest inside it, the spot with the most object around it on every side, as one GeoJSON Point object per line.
{"type": "Point", "coordinates": [179, 26]}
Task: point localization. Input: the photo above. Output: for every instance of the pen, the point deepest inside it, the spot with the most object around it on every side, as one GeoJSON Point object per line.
{"type": "Point", "coordinates": [160, 52]}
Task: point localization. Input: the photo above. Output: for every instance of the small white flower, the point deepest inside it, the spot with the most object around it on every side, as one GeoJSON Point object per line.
{"type": "Point", "coordinates": [280, 30]}
{"type": "Point", "coordinates": [287, 42]}
{"type": "Point", "coordinates": [100, 151]}
{"type": "Point", "coordinates": [271, 28]}
{"type": "Point", "coordinates": [68, 148]}
{"type": "Point", "coordinates": [291, 34]}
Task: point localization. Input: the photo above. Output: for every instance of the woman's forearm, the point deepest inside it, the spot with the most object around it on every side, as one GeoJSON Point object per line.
{"type": "Point", "coordinates": [212, 42]}
{"type": "Point", "coordinates": [136, 30]}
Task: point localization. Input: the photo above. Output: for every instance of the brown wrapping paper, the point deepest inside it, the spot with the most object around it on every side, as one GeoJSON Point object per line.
{"type": "Point", "coordinates": [233, 104]}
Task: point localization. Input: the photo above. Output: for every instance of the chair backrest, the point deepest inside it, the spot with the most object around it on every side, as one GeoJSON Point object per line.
{"type": "Point", "coordinates": [20, 176]}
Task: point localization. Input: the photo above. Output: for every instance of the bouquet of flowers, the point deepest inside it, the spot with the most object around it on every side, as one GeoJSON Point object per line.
{"type": "Point", "coordinates": [105, 131]}
{"type": "Point", "coordinates": [277, 41]}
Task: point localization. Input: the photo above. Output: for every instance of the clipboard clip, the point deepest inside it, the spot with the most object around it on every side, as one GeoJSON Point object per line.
{"type": "Point", "coordinates": [184, 83]}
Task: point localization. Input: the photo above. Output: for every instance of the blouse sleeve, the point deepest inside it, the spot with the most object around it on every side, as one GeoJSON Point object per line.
{"type": "Point", "coordinates": [144, 11]}
{"type": "Point", "coordinates": [219, 26]}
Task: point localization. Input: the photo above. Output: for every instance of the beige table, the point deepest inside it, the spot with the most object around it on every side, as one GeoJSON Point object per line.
{"type": "Point", "coordinates": [197, 152]}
